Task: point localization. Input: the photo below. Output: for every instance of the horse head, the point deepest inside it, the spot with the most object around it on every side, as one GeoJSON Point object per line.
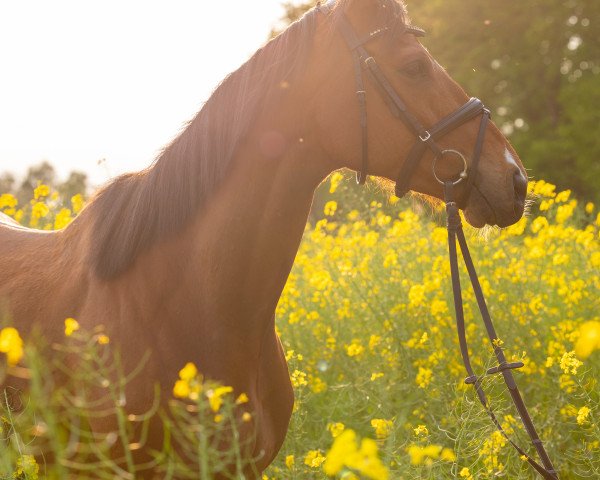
{"type": "Point", "coordinates": [367, 52]}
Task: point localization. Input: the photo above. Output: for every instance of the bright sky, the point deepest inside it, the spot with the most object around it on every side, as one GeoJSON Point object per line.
{"type": "Point", "coordinates": [82, 81]}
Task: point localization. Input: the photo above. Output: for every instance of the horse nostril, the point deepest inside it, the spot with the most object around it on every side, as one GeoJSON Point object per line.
{"type": "Point", "coordinates": [520, 186]}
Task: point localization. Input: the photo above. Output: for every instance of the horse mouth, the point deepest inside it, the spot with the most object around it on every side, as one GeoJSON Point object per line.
{"type": "Point", "coordinates": [480, 213]}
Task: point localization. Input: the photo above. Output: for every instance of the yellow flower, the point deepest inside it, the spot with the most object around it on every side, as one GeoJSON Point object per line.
{"type": "Point", "coordinates": [416, 295]}
{"type": "Point", "coordinates": [542, 188]}
{"type": "Point", "coordinates": [103, 339]}
{"type": "Point", "coordinates": [298, 379]}
{"type": "Point", "coordinates": [38, 210]}
{"type": "Point", "coordinates": [77, 202]}
{"type": "Point", "coordinates": [438, 307]}
{"type": "Point", "coordinates": [569, 364]}
{"type": "Point", "coordinates": [330, 208]}
{"type": "Point", "coordinates": [589, 339]}
{"type": "Point", "coordinates": [424, 377]}
{"type": "Point", "coordinates": [419, 455]}
{"type": "Point", "coordinates": [8, 200]}
{"type": "Point", "coordinates": [215, 397]}
{"type": "Point", "coordinates": [582, 415]}
{"type": "Point", "coordinates": [62, 219]}
{"type": "Point", "coordinates": [71, 325]}
{"type": "Point", "coordinates": [565, 211]}
{"type": "Point", "coordinates": [27, 468]}
{"type": "Point", "coordinates": [246, 417]}
{"type": "Point", "coordinates": [465, 473]}
{"type": "Point", "coordinates": [314, 458]}
{"type": "Point", "coordinates": [289, 461]}
{"type": "Point", "coordinates": [421, 430]}
{"type": "Point", "coordinates": [345, 452]}
{"type": "Point", "coordinates": [355, 349]}
{"type": "Point", "coordinates": [241, 399]}
{"type": "Point", "coordinates": [11, 344]}
{"type": "Point", "coordinates": [448, 455]}
{"type": "Point", "coordinates": [181, 389]}
{"type": "Point", "coordinates": [41, 191]}
{"type": "Point", "coordinates": [188, 372]}
{"type": "Point", "coordinates": [334, 180]}
{"type": "Point", "coordinates": [374, 341]}
{"type": "Point", "coordinates": [317, 385]}
{"type": "Point", "coordinates": [382, 427]}
{"type": "Point", "coordinates": [335, 428]}
{"type": "Point", "coordinates": [376, 375]}
{"type": "Point", "coordinates": [589, 208]}
{"type": "Point", "coordinates": [562, 196]}
{"type": "Point", "coordinates": [190, 383]}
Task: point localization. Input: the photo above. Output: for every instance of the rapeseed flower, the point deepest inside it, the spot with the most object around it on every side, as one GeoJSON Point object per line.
{"type": "Point", "coordinates": [71, 326]}
{"type": "Point", "coordinates": [346, 453]}
{"type": "Point", "coordinates": [8, 201]}
{"type": "Point", "coordinates": [589, 339]}
{"type": "Point", "coordinates": [27, 468]}
{"type": "Point", "coordinates": [77, 202]}
{"type": "Point", "coordinates": [582, 415]}
{"type": "Point", "coordinates": [190, 383]}
{"type": "Point", "coordinates": [314, 458]}
{"type": "Point", "coordinates": [382, 427]}
{"type": "Point", "coordinates": [335, 428]}
{"type": "Point", "coordinates": [570, 364]}
{"type": "Point", "coordinates": [11, 344]}
{"type": "Point", "coordinates": [427, 454]}
{"type": "Point", "coordinates": [41, 191]}
{"type": "Point", "coordinates": [215, 396]}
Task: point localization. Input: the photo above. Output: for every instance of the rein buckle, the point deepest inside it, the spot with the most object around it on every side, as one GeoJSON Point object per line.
{"type": "Point", "coordinates": [505, 366]}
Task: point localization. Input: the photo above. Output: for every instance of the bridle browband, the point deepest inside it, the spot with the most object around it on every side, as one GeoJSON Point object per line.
{"type": "Point", "coordinates": [426, 138]}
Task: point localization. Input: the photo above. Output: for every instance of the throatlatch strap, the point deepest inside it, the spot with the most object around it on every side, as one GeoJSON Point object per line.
{"type": "Point", "coordinates": [455, 232]}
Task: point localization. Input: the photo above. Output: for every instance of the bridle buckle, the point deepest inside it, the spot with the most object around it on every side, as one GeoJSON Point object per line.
{"type": "Point", "coordinates": [425, 136]}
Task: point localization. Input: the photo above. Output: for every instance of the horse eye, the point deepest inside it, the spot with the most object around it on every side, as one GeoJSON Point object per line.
{"type": "Point", "coordinates": [416, 69]}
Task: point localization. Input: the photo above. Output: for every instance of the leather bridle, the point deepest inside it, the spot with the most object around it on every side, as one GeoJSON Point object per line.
{"type": "Point", "coordinates": [426, 138]}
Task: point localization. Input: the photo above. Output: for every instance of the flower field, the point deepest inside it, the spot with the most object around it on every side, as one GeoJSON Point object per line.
{"type": "Point", "coordinates": [367, 321]}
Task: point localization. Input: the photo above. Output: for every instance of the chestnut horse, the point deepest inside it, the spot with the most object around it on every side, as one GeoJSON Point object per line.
{"type": "Point", "coordinates": [187, 258]}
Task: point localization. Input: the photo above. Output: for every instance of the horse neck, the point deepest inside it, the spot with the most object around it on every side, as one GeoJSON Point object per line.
{"type": "Point", "coordinates": [230, 266]}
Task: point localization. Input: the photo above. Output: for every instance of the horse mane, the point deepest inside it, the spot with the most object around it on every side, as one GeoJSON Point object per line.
{"type": "Point", "coordinates": [390, 13]}
{"type": "Point", "coordinates": [137, 210]}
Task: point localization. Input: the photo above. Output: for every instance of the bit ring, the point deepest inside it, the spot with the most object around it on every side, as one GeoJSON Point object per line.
{"type": "Point", "coordinates": [461, 176]}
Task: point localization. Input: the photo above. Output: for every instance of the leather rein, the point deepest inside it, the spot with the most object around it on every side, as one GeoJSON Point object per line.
{"type": "Point", "coordinates": [364, 62]}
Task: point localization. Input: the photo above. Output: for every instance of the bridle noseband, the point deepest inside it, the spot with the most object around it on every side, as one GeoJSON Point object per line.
{"type": "Point", "coordinates": [426, 140]}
